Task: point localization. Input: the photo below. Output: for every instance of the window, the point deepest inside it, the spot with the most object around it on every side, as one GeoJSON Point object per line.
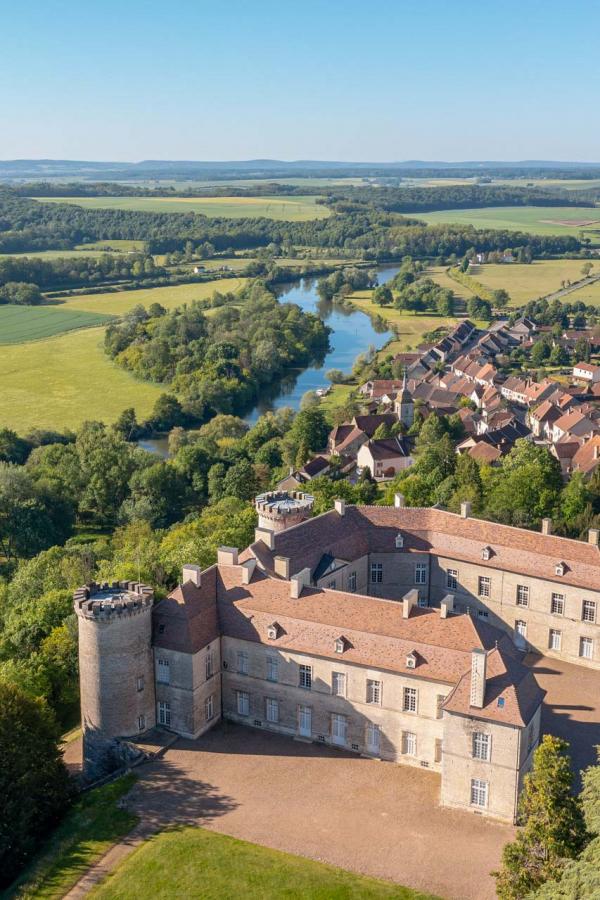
{"type": "Point", "coordinates": [522, 595]}
{"type": "Point", "coordinates": [483, 613]}
{"type": "Point", "coordinates": [486, 553]}
{"type": "Point", "coordinates": [437, 753]}
{"type": "Point", "coordinates": [164, 714]}
{"type": "Point", "coordinates": [331, 585]}
{"type": "Point", "coordinates": [141, 723]}
{"type": "Point", "coordinates": [272, 631]}
{"type": "Point", "coordinates": [243, 703]}
{"type": "Point", "coordinates": [589, 611]}
{"type": "Point", "coordinates": [452, 579]}
{"type": "Point", "coordinates": [521, 628]}
{"type": "Point", "coordinates": [338, 684]}
{"type": "Point", "coordinates": [586, 648]}
{"type": "Point", "coordinates": [485, 584]}
{"type": "Point", "coordinates": [140, 682]}
{"type": "Point", "coordinates": [209, 708]}
{"type": "Point", "coordinates": [373, 691]}
{"type": "Point", "coordinates": [481, 745]}
{"type": "Point", "coordinates": [376, 573]}
{"type": "Point", "coordinates": [340, 645]}
{"type": "Point", "coordinates": [209, 664]}
{"type": "Point", "coordinates": [421, 573]}
{"type": "Point", "coordinates": [409, 703]}
{"type": "Point", "coordinates": [560, 569]}
{"type": "Point", "coordinates": [439, 706]}
{"type": "Point", "coordinates": [479, 793]}
{"type": "Point", "coordinates": [339, 729]}
{"type": "Point", "coordinates": [272, 710]}
{"type": "Point", "coordinates": [163, 671]}
{"type": "Point", "coordinates": [352, 581]}
{"type": "Point", "coordinates": [373, 738]}
{"type": "Point", "coordinates": [409, 743]}
{"type": "Point", "coordinates": [242, 662]}
{"type": "Point", "coordinates": [557, 605]}
{"type": "Point", "coordinates": [555, 639]}
{"type": "Point", "coordinates": [272, 668]}
{"type": "Point", "coordinates": [306, 677]}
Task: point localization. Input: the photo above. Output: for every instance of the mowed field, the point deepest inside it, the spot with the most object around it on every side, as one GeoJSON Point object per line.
{"type": "Point", "coordinates": [528, 282]}
{"type": "Point", "coordinates": [31, 323]}
{"type": "Point", "coordinates": [589, 295]}
{"type": "Point", "coordinates": [531, 219]}
{"type": "Point", "coordinates": [409, 327]}
{"type": "Point", "coordinates": [293, 208]}
{"type": "Point", "coordinates": [171, 296]}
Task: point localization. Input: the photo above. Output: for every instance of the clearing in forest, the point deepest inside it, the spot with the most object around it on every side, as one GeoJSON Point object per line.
{"type": "Point", "coordinates": [293, 208]}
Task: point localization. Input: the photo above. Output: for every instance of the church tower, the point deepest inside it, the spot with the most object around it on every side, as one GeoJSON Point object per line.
{"type": "Point", "coordinates": [404, 406]}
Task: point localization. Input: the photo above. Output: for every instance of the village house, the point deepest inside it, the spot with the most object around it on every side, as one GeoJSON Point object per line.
{"type": "Point", "coordinates": [586, 372]}
{"type": "Point", "coordinates": [386, 457]}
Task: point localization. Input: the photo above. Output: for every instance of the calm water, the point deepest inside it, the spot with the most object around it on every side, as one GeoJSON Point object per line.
{"type": "Point", "coordinates": [352, 333]}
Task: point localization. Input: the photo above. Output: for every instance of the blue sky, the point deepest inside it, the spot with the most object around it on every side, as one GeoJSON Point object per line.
{"type": "Point", "coordinates": [318, 79]}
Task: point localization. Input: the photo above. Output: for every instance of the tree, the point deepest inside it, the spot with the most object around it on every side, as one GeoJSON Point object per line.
{"type": "Point", "coordinates": [240, 481]}
{"type": "Point", "coordinates": [586, 269]}
{"type": "Point", "coordinates": [552, 824]}
{"type": "Point", "coordinates": [309, 431]}
{"type": "Point", "coordinates": [382, 295]}
{"type": "Point", "coordinates": [526, 486]}
{"type": "Point", "coordinates": [126, 425]}
{"type": "Point", "coordinates": [335, 376]}
{"type": "Point", "coordinates": [34, 783]}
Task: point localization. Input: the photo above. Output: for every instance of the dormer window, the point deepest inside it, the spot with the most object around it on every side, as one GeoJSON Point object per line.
{"type": "Point", "coordinates": [411, 660]}
{"type": "Point", "coordinates": [273, 631]}
{"type": "Point", "coordinates": [399, 541]}
{"type": "Point", "coordinates": [486, 553]}
{"type": "Point", "coordinates": [340, 645]}
{"type": "Point", "coordinates": [560, 569]}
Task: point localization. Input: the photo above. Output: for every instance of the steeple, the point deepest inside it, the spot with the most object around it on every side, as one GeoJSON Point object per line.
{"type": "Point", "coordinates": [404, 406]}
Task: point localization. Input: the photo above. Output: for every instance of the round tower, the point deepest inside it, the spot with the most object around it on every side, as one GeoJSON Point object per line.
{"type": "Point", "coordinates": [278, 510]}
{"type": "Point", "coordinates": [116, 671]}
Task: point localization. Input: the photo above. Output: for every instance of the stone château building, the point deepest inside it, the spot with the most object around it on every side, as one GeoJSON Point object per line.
{"type": "Point", "coordinates": [391, 632]}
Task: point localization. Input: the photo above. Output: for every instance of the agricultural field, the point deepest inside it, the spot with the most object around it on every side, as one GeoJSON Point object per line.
{"type": "Point", "coordinates": [292, 209]}
{"type": "Point", "coordinates": [118, 246]}
{"type": "Point", "coordinates": [171, 296]}
{"type": "Point", "coordinates": [32, 323]}
{"type": "Point", "coordinates": [441, 277]}
{"type": "Point", "coordinates": [95, 250]}
{"type": "Point", "coordinates": [589, 295]}
{"type": "Point", "coordinates": [61, 381]}
{"type": "Point", "coordinates": [528, 282]}
{"type": "Point", "coordinates": [530, 219]}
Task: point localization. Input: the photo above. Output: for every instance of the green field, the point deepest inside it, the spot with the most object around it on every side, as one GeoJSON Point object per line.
{"type": "Point", "coordinates": [120, 302]}
{"type": "Point", "coordinates": [589, 295]}
{"type": "Point", "coordinates": [530, 219]}
{"type": "Point", "coordinates": [31, 323]}
{"type": "Point", "coordinates": [528, 282]}
{"type": "Point", "coordinates": [197, 864]}
{"type": "Point", "coordinates": [293, 208]}
{"type": "Point", "coordinates": [410, 327]}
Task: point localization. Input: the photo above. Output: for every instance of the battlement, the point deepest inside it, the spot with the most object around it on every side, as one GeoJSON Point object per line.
{"type": "Point", "coordinates": [278, 510]}
{"type": "Point", "coordinates": [119, 598]}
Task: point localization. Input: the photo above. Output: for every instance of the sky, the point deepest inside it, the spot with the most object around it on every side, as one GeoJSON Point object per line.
{"type": "Point", "coordinates": [357, 80]}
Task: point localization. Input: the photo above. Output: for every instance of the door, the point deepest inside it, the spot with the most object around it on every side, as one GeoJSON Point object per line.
{"type": "Point", "coordinates": [338, 730]}
{"type": "Point", "coordinates": [373, 739]}
{"type": "Point", "coordinates": [520, 634]}
{"type": "Point", "coordinates": [305, 721]}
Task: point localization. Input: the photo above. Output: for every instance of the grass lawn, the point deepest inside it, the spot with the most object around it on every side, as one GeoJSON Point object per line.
{"type": "Point", "coordinates": [410, 327]}
{"type": "Point", "coordinates": [530, 219]}
{"type": "Point", "coordinates": [528, 282]}
{"type": "Point", "coordinates": [62, 381]}
{"type": "Point", "coordinates": [441, 277]}
{"type": "Point", "coordinates": [292, 208]}
{"type": "Point", "coordinates": [589, 294]}
{"type": "Point", "coordinates": [120, 302]}
{"type": "Point", "coordinates": [337, 396]}
{"type": "Point", "coordinates": [57, 254]}
{"type": "Point", "coordinates": [117, 245]}
{"type": "Point", "coordinates": [195, 863]}
{"type": "Point", "coordinates": [90, 828]}
{"type": "Point", "coordinates": [31, 323]}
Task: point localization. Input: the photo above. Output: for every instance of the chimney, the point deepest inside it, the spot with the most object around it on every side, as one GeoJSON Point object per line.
{"type": "Point", "coordinates": [408, 601]}
{"type": "Point", "coordinates": [281, 565]}
{"type": "Point", "coordinates": [340, 507]}
{"type": "Point", "coordinates": [546, 526]}
{"type": "Point", "coordinates": [248, 568]}
{"type": "Point", "coordinates": [266, 536]}
{"type": "Point", "coordinates": [478, 676]}
{"type": "Point", "coordinates": [447, 606]}
{"type": "Point", "coordinates": [465, 509]}
{"type": "Point", "coordinates": [298, 582]}
{"type": "Point", "coordinates": [593, 536]}
{"type": "Point", "coordinates": [192, 573]}
{"type": "Point", "coordinates": [227, 556]}
{"type": "Point", "coordinates": [399, 501]}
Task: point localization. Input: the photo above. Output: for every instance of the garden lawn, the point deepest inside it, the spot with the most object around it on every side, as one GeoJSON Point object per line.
{"type": "Point", "coordinates": [195, 863]}
{"type": "Point", "coordinates": [31, 323]}
{"type": "Point", "coordinates": [530, 219]}
{"type": "Point", "coordinates": [62, 381]}
{"type": "Point", "coordinates": [293, 208]}
{"type": "Point", "coordinates": [119, 302]}
{"type": "Point", "coordinates": [530, 281]}
{"type": "Point", "coordinates": [89, 829]}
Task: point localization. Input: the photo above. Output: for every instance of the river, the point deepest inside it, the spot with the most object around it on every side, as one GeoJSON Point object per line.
{"type": "Point", "coordinates": [352, 333]}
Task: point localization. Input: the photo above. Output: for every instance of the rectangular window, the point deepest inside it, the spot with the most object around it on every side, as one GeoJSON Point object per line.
{"type": "Point", "coordinates": [305, 677]}
{"type": "Point", "coordinates": [209, 664]}
{"type": "Point", "coordinates": [373, 738]}
{"type": "Point", "coordinates": [439, 706]}
{"type": "Point", "coordinates": [557, 604]}
{"type": "Point", "coordinates": [242, 662]}
{"type": "Point", "coordinates": [331, 585]}
{"type": "Point", "coordinates": [272, 710]}
{"type": "Point", "coordinates": [481, 745]}
{"type": "Point", "coordinates": [409, 702]}
{"type": "Point", "coordinates": [164, 714]}
{"type": "Point", "coordinates": [421, 573]}
{"type": "Point", "coordinates": [485, 584]}
{"type": "Point", "coordinates": [338, 684]}
{"type": "Point", "coordinates": [376, 573]}
{"type": "Point", "coordinates": [339, 729]}
{"type": "Point", "coordinates": [272, 668]}
{"type": "Point", "coordinates": [140, 682]}
{"type": "Point", "coordinates": [352, 581]}
{"type": "Point", "coordinates": [409, 743]}
{"type": "Point", "coordinates": [555, 639]}
{"type": "Point", "coordinates": [479, 793]}
{"type": "Point", "coordinates": [163, 671]}
{"type": "Point", "coordinates": [243, 703]}
{"type": "Point", "coordinates": [209, 708]}
{"type": "Point", "coordinates": [522, 595]}
{"type": "Point", "coordinates": [483, 613]}
{"type": "Point", "coordinates": [588, 613]}
{"type": "Point", "coordinates": [373, 691]}
{"type": "Point", "coordinates": [141, 723]}
{"type": "Point", "coordinates": [452, 579]}
{"type": "Point", "coordinates": [586, 648]}
{"type": "Point", "coordinates": [521, 628]}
